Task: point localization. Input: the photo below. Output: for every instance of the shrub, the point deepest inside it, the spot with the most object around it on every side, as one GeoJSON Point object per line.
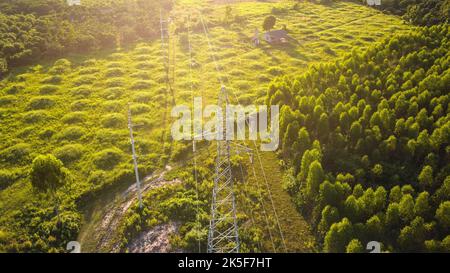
{"type": "Point", "coordinates": [68, 226]}
{"type": "Point", "coordinates": [14, 89]}
{"type": "Point", "coordinates": [115, 82]}
{"type": "Point", "coordinates": [16, 154]}
{"type": "Point", "coordinates": [108, 136]}
{"type": "Point", "coordinates": [275, 71]}
{"type": "Point", "coordinates": [142, 58]}
{"type": "Point", "coordinates": [142, 97]}
{"type": "Point", "coordinates": [113, 121]}
{"type": "Point", "coordinates": [47, 173]}
{"type": "Point", "coordinates": [98, 177]}
{"type": "Point", "coordinates": [41, 103]}
{"type": "Point", "coordinates": [139, 109]}
{"type": "Point", "coordinates": [144, 65]}
{"type": "Point", "coordinates": [81, 91]}
{"type": "Point", "coordinates": [108, 158]}
{"type": "Point", "coordinates": [141, 85]}
{"type": "Point", "coordinates": [113, 93]}
{"type": "Point", "coordinates": [143, 75]}
{"type": "Point", "coordinates": [46, 133]}
{"type": "Point", "coordinates": [74, 117]}
{"type": "Point", "coordinates": [84, 79]}
{"type": "Point", "coordinates": [72, 133]}
{"type": "Point", "coordinates": [143, 50]}
{"type": "Point", "coordinates": [114, 65]}
{"type": "Point", "coordinates": [7, 178]}
{"type": "Point", "coordinates": [112, 106]}
{"type": "Point", "coordinates": [88, 71]}
{"type": "Point", "coordinates": [143, 122]}
{"type": "Point", "coordinates": [80, 105]}
{"type": "Point", "coordinates": [114, 72]}
{"type": "Point", "coordinates": [7, 100]}
{"type": "Point", "coordinates": [69, 153]}
{"type": "Point", "coordinates": [48, 89]}
{"type": "Point", "coordinates": [55, 79]}
{"type": "Point", "coordinates": [35, 116]}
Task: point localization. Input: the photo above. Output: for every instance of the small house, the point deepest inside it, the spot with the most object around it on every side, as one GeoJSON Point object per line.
{"type": "Point", "coordinates": [276, 36]}
{"type": "Point", "coordinates": [373, 2]}
{"type": "Point", "coordinates": [74, 2]}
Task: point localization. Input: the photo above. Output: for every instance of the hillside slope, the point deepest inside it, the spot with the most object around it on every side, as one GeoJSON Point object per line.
{"type": "Point", "coordinates": [75, 109]}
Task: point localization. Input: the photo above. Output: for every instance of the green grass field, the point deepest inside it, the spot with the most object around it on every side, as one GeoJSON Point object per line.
{"type": "Point", "coordinates": [76, 108]}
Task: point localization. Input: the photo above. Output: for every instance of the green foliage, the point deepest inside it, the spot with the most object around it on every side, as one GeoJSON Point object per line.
{"type": "Point", "coordinates": [355, 246]}
{"type": "Point", "coordinates": [108, 158]}
{"type": "Point", "coordinates": [35, 29]}
{"type": "Point", "coordinates": [8, 177]}
{"type": "Point", "coordinates": [269, 22]}
{"type": "Point", "coordinates": [443, 215]}
{"type": "Point", "coordinates": [339, 236]}
{"type": "Point", "coordinates": [387, 113]}
{"type": "Point", "coordinates": [47, 173]}
{"type": "Point", "coordinates": [69, 153]}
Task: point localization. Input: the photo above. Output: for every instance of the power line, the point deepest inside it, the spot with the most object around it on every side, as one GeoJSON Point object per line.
{"type": "Point", "coordinates": [206, 30]}
{"type": "Point", "coordinates": [136, 169]}
{"type": "Point", "coordinates": [263, 207]}
{"type": "Point", "coordinates": [193, 139]}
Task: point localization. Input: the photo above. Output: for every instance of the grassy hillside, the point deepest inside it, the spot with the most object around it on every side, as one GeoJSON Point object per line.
{"type": "Point", "coordinates": [75, 109]}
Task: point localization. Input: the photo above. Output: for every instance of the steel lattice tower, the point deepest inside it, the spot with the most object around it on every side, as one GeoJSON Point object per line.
{"type": "Point", "coordinates": [223, 230]}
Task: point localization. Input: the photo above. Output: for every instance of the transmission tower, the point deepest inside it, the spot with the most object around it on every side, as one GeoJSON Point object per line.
{"type": "Point", "coordinates": [223, 230]}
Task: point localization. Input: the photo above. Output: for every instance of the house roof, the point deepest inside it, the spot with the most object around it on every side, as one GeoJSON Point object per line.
{"type": "Point", "coordinates": [277, 34]}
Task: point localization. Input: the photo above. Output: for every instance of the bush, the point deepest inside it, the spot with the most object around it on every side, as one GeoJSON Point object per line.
{"type": "Point", "coordinates": [35, 116]}
{"type": "Point", "coordinates": [74, 117]}
{"type": "Point", "coordinates": [141, 85]}
{"type": "Point", "coordinates": [84, 79]}
{"type": "Point", "coordinates": [68, 226]}
{"type": "Point", "coordinates": [115, 82]}
{"type": "Point", "coordinates": [112, 106]}
{"type": "Point", "coordinates": [108, 158]}
{"type": "Point", "coordinates": [142, 97]}
{"type": "Point", "coordinates": [69, 153]}
{"type": "Point", "coordinates": [114, 121]}
{"type": "Point", "coordinates": [114, 72]}
{"type": "Point", "coordinates": [41, 103]}
{"type": "Point", "coordinates": [48, 89]}
{"type": "Point", "coordinates": [88, 71]}
{"type": "Point", "coordinates": [16, 154]}
{"type": "Point", "coordinates": [113, 93]}
{"type": "Point", "coordinates": [7, 178]}
{"type": "Point", "coordinates": [275, 71]}
{"type": "Point", "coordinates": [80, 105]}
{"type": "Point", "coordinates": [47, 173]}
{"type": "Point", "coordinates": [140, 108]}
{"type": "Point", "coordinates": [72, 133]}
{"type": "Point", "coordinates": [13, 89]}
{"type": "Point", "coordinates": [145, 65]}
{"type": "Point", "coordinates": [56, 79]}
{"type": "Point", "coordinates": [7, 100]}
{"type": "Point", "coordinates": [81, 92]}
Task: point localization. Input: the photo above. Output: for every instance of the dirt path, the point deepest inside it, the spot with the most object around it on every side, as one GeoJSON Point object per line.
{"type": "Point", "coordinates": [100, 233]}
{"type": "Point", "coordinates": [155, 240]}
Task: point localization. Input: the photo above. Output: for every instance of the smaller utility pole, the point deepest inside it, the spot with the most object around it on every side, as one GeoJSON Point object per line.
{"type": "Point", "coordinates": [136, 170]}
